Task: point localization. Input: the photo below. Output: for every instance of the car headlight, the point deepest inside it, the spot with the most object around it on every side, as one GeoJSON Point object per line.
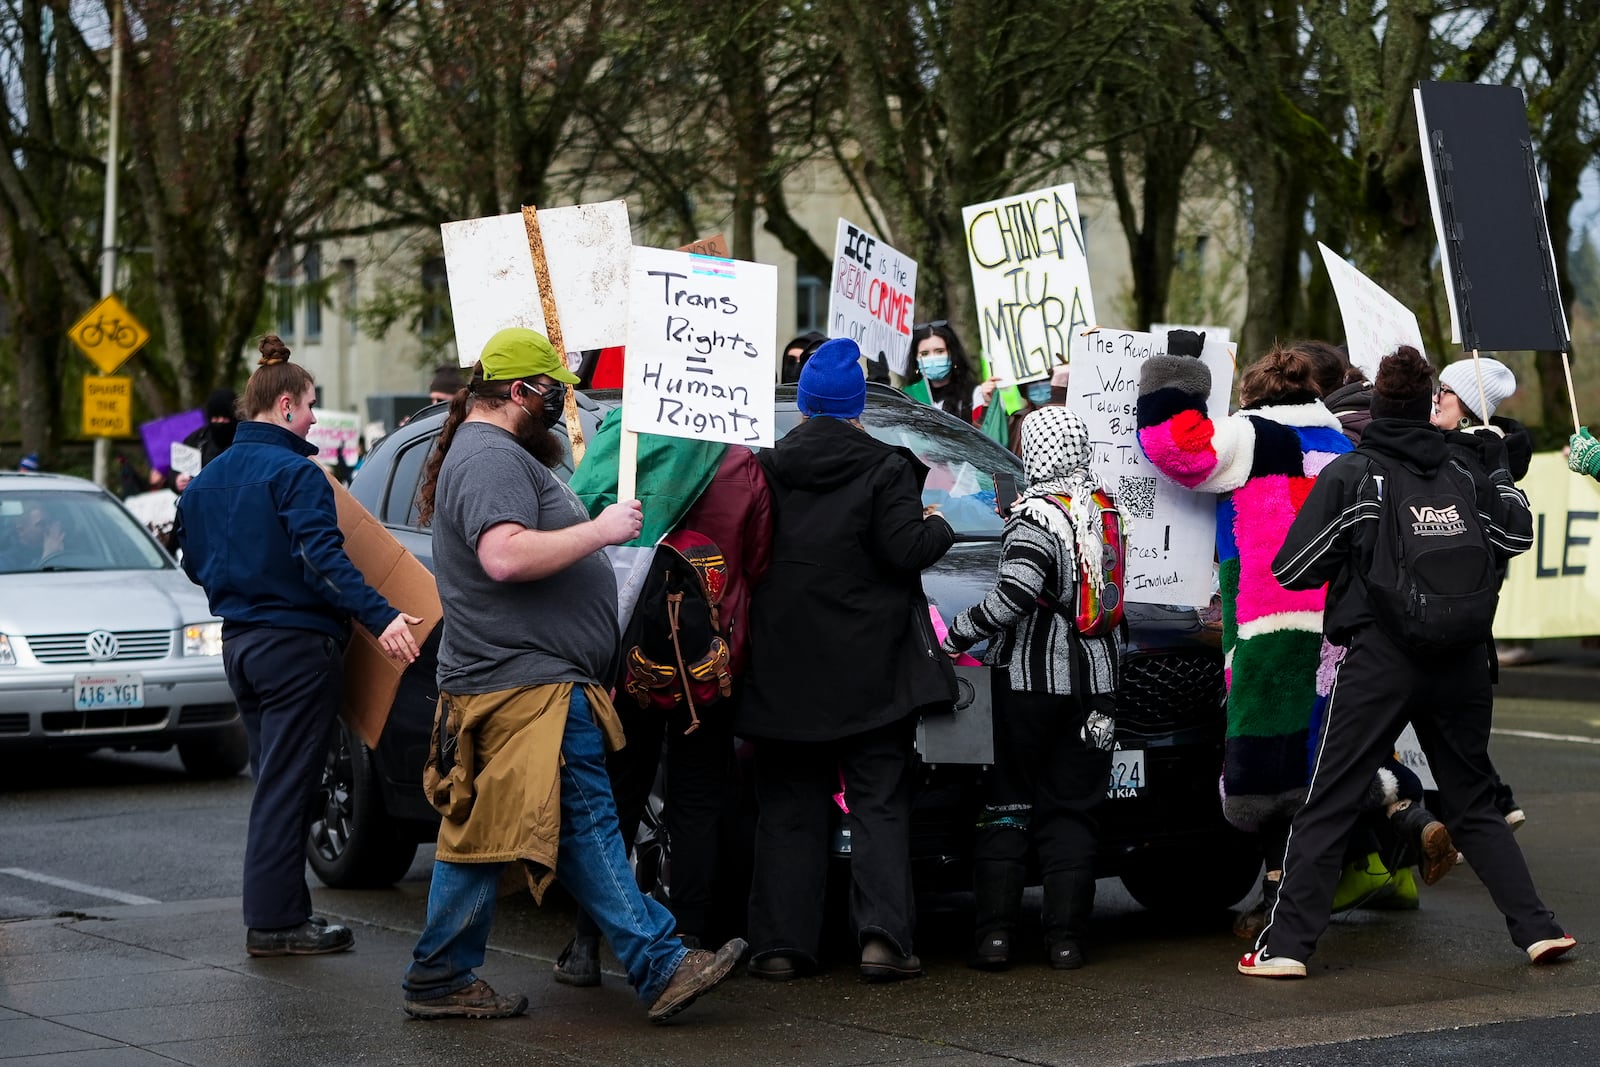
{"type": "Point", "coordinates": [202, 639]}
{"type": "Point", "coordinates": [8, 658]}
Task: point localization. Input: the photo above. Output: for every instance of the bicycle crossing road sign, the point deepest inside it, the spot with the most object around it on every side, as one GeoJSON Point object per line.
{"type": "Point", "coordinates": [109, 334]}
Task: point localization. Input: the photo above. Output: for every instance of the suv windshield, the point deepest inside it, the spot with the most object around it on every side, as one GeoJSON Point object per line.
{"type": "Point", "coordinates": [71, 531]}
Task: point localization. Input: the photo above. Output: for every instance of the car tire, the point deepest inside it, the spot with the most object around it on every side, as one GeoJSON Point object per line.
{"type": "Point", "coordinates": [216, 754]}
{"type": "Point", "coordinates": [352, 844]}
{"type": "Point", "coordinates": [1189, 880]}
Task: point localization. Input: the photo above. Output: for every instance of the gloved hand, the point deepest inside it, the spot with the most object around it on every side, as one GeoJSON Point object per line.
{"type": "Point", "coordinates": [1185, 343]}
{"type": "Point", "coordinates": [1585, 457]}
{"type": "Point", "coordinates": [1487, 431]}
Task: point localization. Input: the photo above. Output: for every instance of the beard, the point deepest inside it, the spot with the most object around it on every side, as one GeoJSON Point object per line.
{"type": "Point", "coordinates": [544, 445]}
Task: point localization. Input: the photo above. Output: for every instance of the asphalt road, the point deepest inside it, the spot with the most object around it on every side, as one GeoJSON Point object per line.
{"type": "Point", "coordinates": [125, 836]}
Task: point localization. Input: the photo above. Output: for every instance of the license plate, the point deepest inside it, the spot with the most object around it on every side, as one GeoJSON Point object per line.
{"type": "Point", "coordinates": [107, 691]}
{"type": "Point", "coordinates": [1127, 774]}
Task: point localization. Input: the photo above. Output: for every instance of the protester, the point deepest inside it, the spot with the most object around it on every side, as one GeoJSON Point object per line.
{"type": "Point", "coordinates": [831, 690]}
{"type": "Point", "coordinates": [716, 490]}
{"type": "Point", "coordinates": [525, 718]}
{"type": "Point", "coordinates": [446, 383]}
{"type": "Point", "coordinates": [260, 534]}
{"type": "Point", "coordinates": [940, 373]}
{"type": "Point", "coordinates": [1352, 403]}
{"type": "Point", "coordinates": [30, 463]}
{"type": "Point", "coordinates": [1053, 723]}
{"type": "Point", "coordinates": [795, 354]}
{"type": "Point", "coordinates": [1041, 393]}
{"type": "Point", "coordinates": [1348, 534]}
{"type": "Point", "coordinates": [1279, 666]}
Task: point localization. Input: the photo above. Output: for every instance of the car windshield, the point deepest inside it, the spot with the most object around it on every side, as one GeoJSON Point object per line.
{"type": "Point", "coordinates": [71, 531]}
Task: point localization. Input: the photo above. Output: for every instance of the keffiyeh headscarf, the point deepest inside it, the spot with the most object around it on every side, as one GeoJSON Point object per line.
{"type": "Point", "coordinates": [1055, 461]}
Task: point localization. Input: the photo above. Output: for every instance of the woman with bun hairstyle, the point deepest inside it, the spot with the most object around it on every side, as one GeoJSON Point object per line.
{"type": "Point", "coordinates": [1261, 463]}
{"type": "Point", "coordinates": [261, 536]}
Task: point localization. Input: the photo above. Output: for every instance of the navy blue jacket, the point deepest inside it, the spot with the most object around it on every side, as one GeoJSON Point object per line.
{"type": "Point", "coordinates": [260, 534]}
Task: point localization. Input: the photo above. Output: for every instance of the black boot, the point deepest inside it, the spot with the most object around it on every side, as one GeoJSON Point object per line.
{"type": "Point", "coordinates": [1068, 903]}
{"type": "Point", "coordinates": [997, 888]}
{"type": "Point", "coordinates": [579, 962]}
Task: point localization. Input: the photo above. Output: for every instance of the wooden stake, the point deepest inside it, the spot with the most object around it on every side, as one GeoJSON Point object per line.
{"type": "Point", "coordinates": [552, 324]}
{"type": "Point", "coordinates": [1572, 394]}
{"type": "Point", "coordinates": [628, 467]}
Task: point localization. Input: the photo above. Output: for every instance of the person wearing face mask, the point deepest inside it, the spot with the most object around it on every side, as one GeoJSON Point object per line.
{"type": "Point", "coordinates": [260, 534]}
{"type": "Point", "coordinates": [795, 354]}
{"type": "Point", "coordinates": [1040, 393]}
{"type": "Point", "coordinates": [941, 375]}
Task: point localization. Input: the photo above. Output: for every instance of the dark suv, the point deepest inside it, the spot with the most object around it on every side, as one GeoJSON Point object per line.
{"type": "Point", "coordinates": [1162, 813]}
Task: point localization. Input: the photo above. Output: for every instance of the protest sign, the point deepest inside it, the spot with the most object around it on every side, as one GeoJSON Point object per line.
{"type": "Point", "coordinates": [333, 433]}
{"type": "Point", "coordinates": [186, 459]}
{"type": "Point", "coordinates": [1553, 589]}
{"type": "Point", "coordinates": [159, 435]}
{"type": "Point", "coordinates": [493, 284]}
{"type": "Point", "coordinates": [1030, 278]}
{"type": "Point", "coordinates": [873, 297]}
{"type": "Point", "coordinates": [702, 342]}
{"type": "Point", "coordinates": [1375, 323]}
{"type": "Point", "coordinates": [1172, 537]}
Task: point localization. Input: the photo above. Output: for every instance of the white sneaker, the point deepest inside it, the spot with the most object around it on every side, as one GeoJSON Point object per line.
{"type": "Point", "coordinates": [1515, 818]}
{"type": "Point", "coordinates": [1253, 964]}
{"type": "Point", "coordinates": [1547, 951]}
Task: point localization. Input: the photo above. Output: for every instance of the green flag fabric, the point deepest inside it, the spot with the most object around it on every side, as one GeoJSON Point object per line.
{"type": "Point", "coordinates": [673, 472]}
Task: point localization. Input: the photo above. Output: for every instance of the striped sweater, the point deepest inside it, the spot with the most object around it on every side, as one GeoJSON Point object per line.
{"type": "Point", "coordinates": [1029, 640]}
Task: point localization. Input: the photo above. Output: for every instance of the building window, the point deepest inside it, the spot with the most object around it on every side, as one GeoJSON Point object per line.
{"type": "Point", "coordinates": [435, 295]}
{"type": "Point", "coordinates": [285, 286]}
{"type": "Point", "coordinates": [349, 299]}
{"type": "Point", "coordinates": [810, 304]}
{"type": "Point", "coordinates": [312, 263]}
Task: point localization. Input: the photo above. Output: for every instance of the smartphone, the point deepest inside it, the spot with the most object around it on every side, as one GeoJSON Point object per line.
{"type": "Point", "coordinates": [1005, 493]}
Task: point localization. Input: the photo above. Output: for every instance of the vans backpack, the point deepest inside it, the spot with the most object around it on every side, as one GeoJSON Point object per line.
{"type": "Point", "coordinates": [1098, 611]}
{"type": "Point", "coordinates": [675, 652]}
{"type": "Point", "coordinates": [1433, 582]}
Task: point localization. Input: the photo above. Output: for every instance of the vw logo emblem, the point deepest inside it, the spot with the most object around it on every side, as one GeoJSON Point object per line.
{"type": "Point", "coordinates": [102, 644]}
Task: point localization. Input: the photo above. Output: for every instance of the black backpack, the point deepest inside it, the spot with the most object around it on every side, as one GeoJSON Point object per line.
{"type": "Point", "coordinates": [1434, 583]}
{"type": "Point", "coordinates": [676, 649]}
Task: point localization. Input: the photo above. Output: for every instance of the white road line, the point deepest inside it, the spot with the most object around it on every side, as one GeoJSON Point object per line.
{"type": "Point", "coordinates": [1535, 735]}
{"type": "Point", "coordinates": [77, 887]}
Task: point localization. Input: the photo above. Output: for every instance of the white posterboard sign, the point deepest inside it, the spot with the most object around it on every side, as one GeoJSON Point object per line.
{"type": "Point", "coordinates": [492, 282]}
{"type": "Point", "coordinates": [873, 297]}
{"type": "Point", "coordinates": [1172, 539]}
{"type": "Point", "coordinates": [702, 343]}
{"type": "Point", "coordinates": [1375, 323]}
{"type": "Point", "coordinates": [185, 459]}
{"type": "Point", "coordinates": [1213, 333]}
{"type": "Point", "coordinates": [335, 432]}
{"type": "Point", "coordinates": [1030, 278]}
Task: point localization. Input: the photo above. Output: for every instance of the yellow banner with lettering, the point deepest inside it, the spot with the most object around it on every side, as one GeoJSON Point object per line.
{"type": "Point", "coordinates": [1553, 589]}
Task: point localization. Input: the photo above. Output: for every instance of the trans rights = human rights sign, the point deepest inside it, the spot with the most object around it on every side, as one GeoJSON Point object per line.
{"type": "Point", "coordinates": [1030, 278]}
{"type": "Point", "coordinates": [702, 342]}
{"type": "Point", "coordinates": [873, 297]}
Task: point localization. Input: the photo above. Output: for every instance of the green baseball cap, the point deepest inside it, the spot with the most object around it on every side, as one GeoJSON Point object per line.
{"type": "Point", "coordinates": [518, 352]}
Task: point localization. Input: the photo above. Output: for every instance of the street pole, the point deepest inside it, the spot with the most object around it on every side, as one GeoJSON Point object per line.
{"type": "Point", "coordinates": [108, 222]}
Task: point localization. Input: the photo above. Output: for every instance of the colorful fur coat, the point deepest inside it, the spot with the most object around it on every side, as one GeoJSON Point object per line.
{"type": "Point", "coordinates": [1261, 463]}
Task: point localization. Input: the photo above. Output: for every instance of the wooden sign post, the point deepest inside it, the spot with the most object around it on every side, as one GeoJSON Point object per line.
{"type": "Point", "coordinates": [552, 325]}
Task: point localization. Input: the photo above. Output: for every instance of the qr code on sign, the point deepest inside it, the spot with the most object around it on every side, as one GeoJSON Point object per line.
{"type": "Point", "coordinates": [1137, 496]}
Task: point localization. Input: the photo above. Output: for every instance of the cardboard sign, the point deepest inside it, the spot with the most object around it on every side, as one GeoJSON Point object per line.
{"type": "Point", "coordinates": [372, 679]}
{"type": "Point", "coordinates": [1375, 323]}
{"type": "Point", "coordinates": [715, 245]}
{"type": "Point", "coordinates": [333, 433]}
{"type": "Point", "coordinates": [1488, 210]}
{"type": "Point", "coordinates": [492, 283]}
{"type": "Point", "coordinates": [1172, 539]}
{"type": "Point", "coordinates": [1030, 278]}
{"type": "Point", "coordinates": [873, 297]}
{"type": "Point", "coordinates": [701, 346]}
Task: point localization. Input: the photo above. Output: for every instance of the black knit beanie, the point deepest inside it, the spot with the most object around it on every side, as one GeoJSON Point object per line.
{"type": "Point", "coordinates": [1403, 388]}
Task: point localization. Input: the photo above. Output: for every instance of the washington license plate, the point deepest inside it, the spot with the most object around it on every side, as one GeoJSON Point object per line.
{"type": "Point", "coordinates": [1127, 774]}
{"type": "Point", "coordinates": [91, 691]}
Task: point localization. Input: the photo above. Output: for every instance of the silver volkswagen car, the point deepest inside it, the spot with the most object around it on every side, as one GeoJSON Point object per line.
{"type": "Point", "coordinates": [104, 642]}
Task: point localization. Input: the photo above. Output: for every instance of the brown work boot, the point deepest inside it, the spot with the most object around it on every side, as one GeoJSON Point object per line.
{"type": "Point", "coordinates": [698, 973]}
{"type": "Point", "coordinates": [476, 1001]}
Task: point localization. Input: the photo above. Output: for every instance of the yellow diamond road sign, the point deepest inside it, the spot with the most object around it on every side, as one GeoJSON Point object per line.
{"type": "Point", "coordinates": [109, 334]}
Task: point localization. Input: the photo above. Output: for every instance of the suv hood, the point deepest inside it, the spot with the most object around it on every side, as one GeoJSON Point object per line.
{"type": "Point", "coordinates": [78, 601]}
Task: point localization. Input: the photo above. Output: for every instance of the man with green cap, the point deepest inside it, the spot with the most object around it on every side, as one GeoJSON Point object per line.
{"type": "Point", "coordinates": [517, 762]}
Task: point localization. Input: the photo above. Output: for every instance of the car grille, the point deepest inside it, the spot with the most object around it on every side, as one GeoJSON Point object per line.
{"type": "Point", "coordinates": [73, 648]}
{"type": "Point", "coordinates": [1162, 691]}
{"type": "Point", "coordinates": [15, 722]}
{"type": "Point", "coordinates": [198, 714]}
{"type": "Point", "coordinates": [72, 722]}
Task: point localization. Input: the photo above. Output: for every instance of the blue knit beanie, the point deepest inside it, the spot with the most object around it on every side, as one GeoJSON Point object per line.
{"type": "Point", "coordinates": [831, 382]}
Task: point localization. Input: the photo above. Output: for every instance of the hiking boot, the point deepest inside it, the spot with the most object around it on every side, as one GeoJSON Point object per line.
{"type": "Point", "coordinates": [775, 968]}
{"type": "Point", "coordinates": [306, 939]}
{"type": "Point", "coordinates": [881, 962]}
{"type": "Point", "coordinates": [579, 962]}
{"type": "Point", "coordinates": [1550, 950]}
{"type": "Point", "coordinates": [1272, 967]}
{"type": "Point", "coordinates": [1427, 839]}
{"type": "Point", "coordinates": [1250, 922]}
{"type": "Point", "coordinates": [476, 1001]}
{"type": "Point", "coordinates": [698, 973]}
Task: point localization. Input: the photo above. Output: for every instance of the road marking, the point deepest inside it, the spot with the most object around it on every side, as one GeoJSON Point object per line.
{"type": "Point", "coordinates": [77, 887]}
{"type": "Point", "coordinates": [1535, 735]}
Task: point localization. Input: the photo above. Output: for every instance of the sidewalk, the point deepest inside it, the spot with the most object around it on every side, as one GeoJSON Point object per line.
{"type": "Point", "coordinates": [1558, 669]}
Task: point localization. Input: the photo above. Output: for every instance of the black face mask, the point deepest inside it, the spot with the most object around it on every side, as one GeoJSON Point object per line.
{"type": "Point", "coordinates": [555, 403]}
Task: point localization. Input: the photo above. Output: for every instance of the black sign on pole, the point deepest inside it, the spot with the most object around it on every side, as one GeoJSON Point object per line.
{"type": "Point", "coordinates": [1488, 208]}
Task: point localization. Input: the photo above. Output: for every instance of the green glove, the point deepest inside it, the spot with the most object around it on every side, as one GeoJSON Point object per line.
{"type": "Point", "coordinates": [1585, 457]}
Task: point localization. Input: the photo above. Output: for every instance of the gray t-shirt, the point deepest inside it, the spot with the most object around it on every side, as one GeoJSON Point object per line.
{"type": "Point", "coordinates": [502, 635]}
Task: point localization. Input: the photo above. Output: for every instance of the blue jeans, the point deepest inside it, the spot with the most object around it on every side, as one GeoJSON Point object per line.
{"type": "Point", "coordinates": [592, 866]}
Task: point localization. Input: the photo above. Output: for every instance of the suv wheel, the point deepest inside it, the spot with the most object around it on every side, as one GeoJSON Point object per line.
{"type": "Point", "coordinates": [351, 844]}
{"type": "Point", "coordinates": [216, 754]}
{"type": "Point", "coordinates": [1193, 880]}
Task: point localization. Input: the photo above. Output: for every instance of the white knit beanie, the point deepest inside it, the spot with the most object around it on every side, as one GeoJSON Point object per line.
{"type": "Point", "coordinates": [1498, 385]}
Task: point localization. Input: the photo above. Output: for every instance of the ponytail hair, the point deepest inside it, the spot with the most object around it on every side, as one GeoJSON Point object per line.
{"type": "Point", "coordinates": [1282, 376]}
{"type": "Point", "coordinates": [274, 376]}
{"type": "Point", "coordinates": [461, 404]}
